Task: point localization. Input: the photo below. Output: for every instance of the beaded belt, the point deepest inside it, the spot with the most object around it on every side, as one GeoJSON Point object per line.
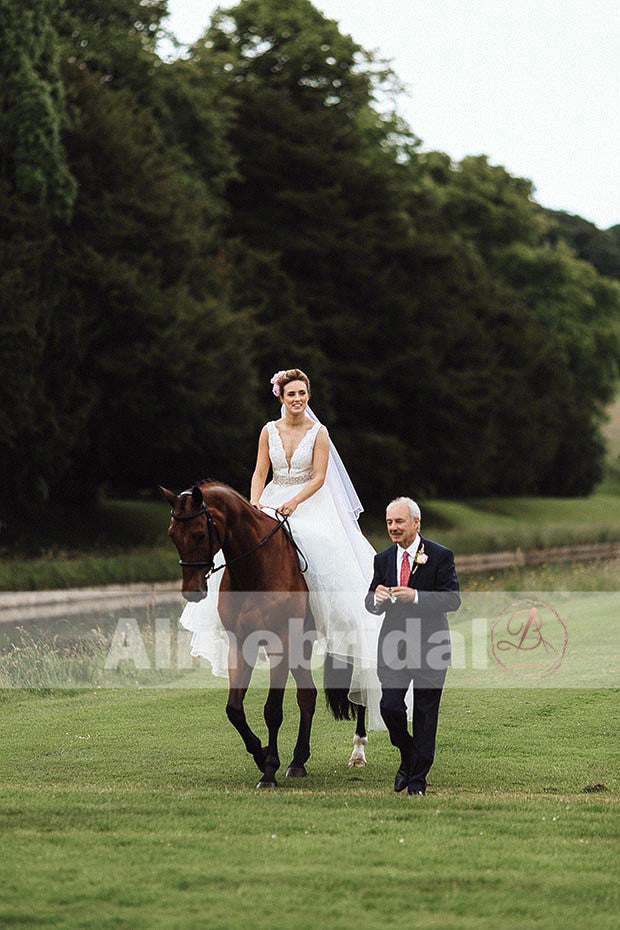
{"type": "Point", "coordinates": [292, 479]}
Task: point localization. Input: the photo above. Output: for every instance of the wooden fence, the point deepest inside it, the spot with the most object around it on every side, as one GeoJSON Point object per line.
{"type": "Point", "coordinates": [493, 561]}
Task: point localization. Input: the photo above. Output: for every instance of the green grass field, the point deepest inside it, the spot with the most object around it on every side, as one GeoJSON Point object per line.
{"type": "Point", "coordinates": [502, 523]}
{"type": "Point", "coordinates": [126, 810]}
{"type": "Point", "coordinates": [130, 808]}
{"type": "Point", "coordinates": [62, 570]}
{"type": "Point", "coordinates": [600, 575]}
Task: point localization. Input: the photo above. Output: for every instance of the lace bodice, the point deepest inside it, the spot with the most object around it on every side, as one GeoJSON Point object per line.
{"type": "Point", "coordinates": [301, 461]}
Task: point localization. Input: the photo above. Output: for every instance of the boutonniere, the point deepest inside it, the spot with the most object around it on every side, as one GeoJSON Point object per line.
{"type": "Point", "coordinates": [420, 558]}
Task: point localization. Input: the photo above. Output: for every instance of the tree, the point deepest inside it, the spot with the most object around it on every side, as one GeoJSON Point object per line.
{"type": "Point", "coordinates": [396, 275]}
{"type": "Point", "coordinates": [162, 358]}
{"type": "Point", "coordinates": [316, 221]}
{"type": "Point", "coordinates": [37, 193]}
{"type": "Point", "coordinates": [175, 232]}
{"type": "Point", "coordinates": [136, 370]}
{"type": "Point", "coordinates": [600, 247]}
{"type": "Point", "coordinates": [524, 337]}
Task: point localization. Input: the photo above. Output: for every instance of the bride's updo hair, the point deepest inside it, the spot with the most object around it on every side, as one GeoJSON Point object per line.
{"type": "Point", "coordinates": [291, 374]}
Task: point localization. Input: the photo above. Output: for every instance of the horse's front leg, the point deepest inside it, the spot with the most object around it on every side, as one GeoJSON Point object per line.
{"type": "Point", "coordinates": [273, 719]}
{"type": "Point", "coordinates": [306, 701]}
{"type": "Point", "coordinates": [360, 740]}
{"type": "Point", "coordinates": [239, 675]}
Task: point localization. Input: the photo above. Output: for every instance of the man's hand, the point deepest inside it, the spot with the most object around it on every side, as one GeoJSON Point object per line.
{"type": "Point", "coordinates": [381, 594]}
{"type": "Point", "coordinates": [405, 595]}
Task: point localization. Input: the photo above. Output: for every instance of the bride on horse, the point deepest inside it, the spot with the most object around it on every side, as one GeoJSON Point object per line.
{"type": "Point", "coordinates": [312, 490]}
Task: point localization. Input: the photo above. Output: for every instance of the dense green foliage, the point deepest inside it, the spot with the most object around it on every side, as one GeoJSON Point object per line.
{"type": "Point", "coordinates": [173, 232]}
{"type": "Point", "coordinates": [37, 191]}
{"type": "Point", "coordinates": [600, 247]}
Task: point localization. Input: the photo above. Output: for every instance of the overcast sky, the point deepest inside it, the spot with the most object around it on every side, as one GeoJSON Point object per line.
{"type": "Point", "coordinates": [533, 84]}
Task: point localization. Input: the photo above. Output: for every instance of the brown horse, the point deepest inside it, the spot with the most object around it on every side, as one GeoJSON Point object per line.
{"type": "Point", "coordinates": [263, 600]}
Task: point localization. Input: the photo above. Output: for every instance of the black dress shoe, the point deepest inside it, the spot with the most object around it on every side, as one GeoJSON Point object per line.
{"type": "Point", "coordinates": [402, 778]}
{"type": "Point", "coordinates": [415, 791]}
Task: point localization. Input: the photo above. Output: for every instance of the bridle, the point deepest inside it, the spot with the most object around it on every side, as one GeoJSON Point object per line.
{"type": "Point", "coordinates": [214, 535]}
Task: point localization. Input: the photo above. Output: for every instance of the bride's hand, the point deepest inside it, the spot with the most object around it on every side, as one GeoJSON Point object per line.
{"type": "Point", "coordinates": [256, 504]}
{"type": "Point", "coordinates": [288, 508]}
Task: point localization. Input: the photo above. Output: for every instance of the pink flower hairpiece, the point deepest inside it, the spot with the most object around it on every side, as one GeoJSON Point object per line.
{"type": "Point", "coordinates": [276, 382]}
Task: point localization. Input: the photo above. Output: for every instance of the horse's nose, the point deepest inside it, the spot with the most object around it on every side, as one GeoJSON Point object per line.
{"type": "Point", "coordinates": [194, 596]}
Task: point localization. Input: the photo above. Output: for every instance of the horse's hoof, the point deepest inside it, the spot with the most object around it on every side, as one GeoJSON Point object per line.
{"type": "Point", "coordinates": [357, 762]}
{"type": "Point", "coordinates": [296, 771]}
{"type": "Point", "coordinates": [267, 784]}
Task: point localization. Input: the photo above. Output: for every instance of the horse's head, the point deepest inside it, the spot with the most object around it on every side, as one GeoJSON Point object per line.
{"type": "Point", "coordinates": [194, 532]}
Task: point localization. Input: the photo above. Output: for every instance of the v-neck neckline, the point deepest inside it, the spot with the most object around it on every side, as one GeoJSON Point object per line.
{"type": "Point", "coordinates": [290, 462]}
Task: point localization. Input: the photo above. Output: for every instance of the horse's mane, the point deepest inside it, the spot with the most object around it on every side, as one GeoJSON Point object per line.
{"type": "Point", "coordinates": [202, 482]}
{"type": "Point", "coordinates": [220, 484]}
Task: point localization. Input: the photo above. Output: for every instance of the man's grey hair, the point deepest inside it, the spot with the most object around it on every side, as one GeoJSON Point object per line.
{"type": "Point", "coordinates": [414, 510]}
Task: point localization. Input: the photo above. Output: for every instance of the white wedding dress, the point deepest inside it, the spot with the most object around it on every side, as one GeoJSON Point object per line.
{"type": "Point", "coordinates": [340, 567]}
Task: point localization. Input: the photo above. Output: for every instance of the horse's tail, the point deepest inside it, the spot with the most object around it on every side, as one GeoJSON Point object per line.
{"type": "Point", "coordinates": [336, 682]}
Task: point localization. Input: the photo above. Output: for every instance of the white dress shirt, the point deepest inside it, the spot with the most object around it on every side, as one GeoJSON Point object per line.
{"type": "Point", "coordinates": [400, 552]}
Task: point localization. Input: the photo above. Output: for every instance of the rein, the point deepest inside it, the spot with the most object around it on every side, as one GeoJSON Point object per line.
{"type": "Point", "coordinates": [214, 534]}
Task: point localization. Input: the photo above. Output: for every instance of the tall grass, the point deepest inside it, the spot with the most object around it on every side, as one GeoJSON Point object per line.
{"type": "Point", "coordinates": [47, 659]}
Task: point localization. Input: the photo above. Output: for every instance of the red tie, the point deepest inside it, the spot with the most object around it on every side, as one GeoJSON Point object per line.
{"type": "Point", "coordinates": [405, 570]}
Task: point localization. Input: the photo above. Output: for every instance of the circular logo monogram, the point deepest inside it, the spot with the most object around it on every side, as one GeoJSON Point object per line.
{"type": "Point", "coordinates": [529, 639]}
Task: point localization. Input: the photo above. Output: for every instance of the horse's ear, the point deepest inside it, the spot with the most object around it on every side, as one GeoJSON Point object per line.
{"type": "Point", "coordinates": [197, 495]}
{"type": "Point", "coordinates": [170, 497]}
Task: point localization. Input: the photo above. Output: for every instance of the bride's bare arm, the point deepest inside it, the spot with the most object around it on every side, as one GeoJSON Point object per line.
{"type": "Point", "coordinates": [261, 469]}
{"type": "Point", "coordinates": [320, 460]}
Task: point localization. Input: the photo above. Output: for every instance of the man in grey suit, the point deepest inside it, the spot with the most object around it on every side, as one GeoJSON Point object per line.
{"type": "Point", "coordinates": [415, 584]}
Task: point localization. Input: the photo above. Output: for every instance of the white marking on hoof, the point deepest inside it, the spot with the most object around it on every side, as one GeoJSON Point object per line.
{"type": "Point", "coordinates": [358, 756]}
